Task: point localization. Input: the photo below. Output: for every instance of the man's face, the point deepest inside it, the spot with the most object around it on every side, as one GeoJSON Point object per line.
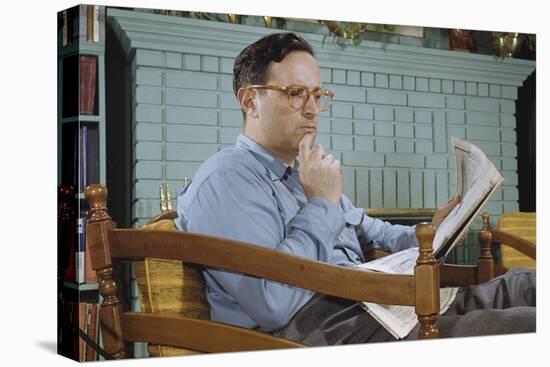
{"type": "Point", "coordinates": [279, 127]}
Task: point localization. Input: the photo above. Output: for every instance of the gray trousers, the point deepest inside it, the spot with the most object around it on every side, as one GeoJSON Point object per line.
{"type": "Point", "coordinates": [504, 305]}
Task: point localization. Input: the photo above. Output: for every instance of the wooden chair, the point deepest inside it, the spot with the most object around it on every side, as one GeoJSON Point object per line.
{"type": "Point", "coordinates": [108, 245]}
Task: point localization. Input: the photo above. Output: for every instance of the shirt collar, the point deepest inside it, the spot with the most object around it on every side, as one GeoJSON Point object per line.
{"type": "Point", "coordinates": [265, 157]}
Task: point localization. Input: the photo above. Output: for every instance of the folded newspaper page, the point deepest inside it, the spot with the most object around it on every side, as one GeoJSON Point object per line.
{"type": "Point", "coordinates": [477, 179]}
{"type": "Point", "coordinates": [400, 320]}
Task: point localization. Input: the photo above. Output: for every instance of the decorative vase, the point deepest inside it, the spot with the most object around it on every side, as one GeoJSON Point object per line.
{"type": "Point", "coordinates": [506, 44]}
{"type": "Point", "coordinates": [461, 40]}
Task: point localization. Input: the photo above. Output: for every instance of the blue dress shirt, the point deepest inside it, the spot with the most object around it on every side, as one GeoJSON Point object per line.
{"type": "Point", "coordinates": [245, 193]}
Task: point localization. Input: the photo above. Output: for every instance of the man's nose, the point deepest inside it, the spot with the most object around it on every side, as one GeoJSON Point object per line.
{"type": "Point", "coordinates": [310, 109]}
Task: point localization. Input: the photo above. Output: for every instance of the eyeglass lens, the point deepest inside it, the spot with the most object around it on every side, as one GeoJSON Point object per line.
{"type": "Point", "coordinates": [298, 97]}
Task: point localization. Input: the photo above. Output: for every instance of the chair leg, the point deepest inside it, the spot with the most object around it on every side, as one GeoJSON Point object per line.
{"type": "Point", "coordinates": [428, 329]}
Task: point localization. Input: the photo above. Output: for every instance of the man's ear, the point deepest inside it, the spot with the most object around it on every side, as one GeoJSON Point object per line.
{"type": "Point", "coordinates": [246, 100]}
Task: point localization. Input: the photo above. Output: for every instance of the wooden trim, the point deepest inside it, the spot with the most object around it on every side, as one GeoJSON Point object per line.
{"type": "Point", "coordinates": [458, 275]}
{"type": "Point", "coordinates": [246, 258]}
{"type": "Point", "coordinates": [523, 246]}
{"type": "Point", "coordinates": [199, 335]}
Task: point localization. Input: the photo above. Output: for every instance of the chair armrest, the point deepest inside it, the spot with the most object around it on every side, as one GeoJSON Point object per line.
{"type": "Point", "coordinates": [266, 263]}
{"type": "Point", "coordinates": [517, 243]}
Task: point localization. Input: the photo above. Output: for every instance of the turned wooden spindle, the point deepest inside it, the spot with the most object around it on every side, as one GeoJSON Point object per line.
{"type": "Point", "coordinates": [98, 225]}
{"type": "Point", "coordinates": [486, 265]}
{"type": "Point", "coordinates": [427, 283]}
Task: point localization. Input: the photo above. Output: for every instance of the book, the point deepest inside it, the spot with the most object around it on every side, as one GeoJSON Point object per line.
{"type": "Point", "coordinates": [90, 23]}
{"type": "Point", "coordinates": [82, 24]}
{"type": "Point", "coordinates": [96, 23]}
{"type": "Point", "coordinates": [64, 30]}
{"type": "Point", "coordinates": [82, 326]}
{"type": "Point", "coordinates": [83, 169]}
{"type": "Point", "coordinates": [477, 180]}
{"type": "Point", "coordinates": [91, 354]}
{"type": "Point", "coordinates": [92, 155]}
{"type": "Point", "coordinates": [88, 84]}
{"type": "Point", "coordinates": [80, 255]}
{"type": "Point", "coordinates": [75, 38]}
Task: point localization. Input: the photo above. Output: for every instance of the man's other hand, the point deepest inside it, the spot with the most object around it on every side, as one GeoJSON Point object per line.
{"type": "Point", "coordinates": [442, 212]}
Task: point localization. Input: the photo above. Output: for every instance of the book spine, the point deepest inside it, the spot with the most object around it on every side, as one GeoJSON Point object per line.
{"type": "Point", "coordinates": [76, 25]}
{"type": "Point", "coordinates": [96, 23]}
{"type": "Point", "coordinates": [82, 24]}
{"type": "Point", "coordinates": [80, 254]}
{"type": "Point", "coordinates": [90, 23]}
{"type": "Point", "coordinates": [84, 169]}
{"type": "Point", "coordinates": [70, 26]}
{"type": "Point", "coordinates": [92, 331]}
{"type": "Point", "coordinates": [69, 273]}
{"type": "Point", "coordinates": [64, 29]}
{"type": "Point", "coordinates": [78, 160]}
{"type": "Point", "coordinates": [87, 329]}
{"type": "Point", "coordinates": [81, 325]}
{"type": "Point", "coordinates": [88, 81]}
{"type": "Point", "coordinates": [93, 155]}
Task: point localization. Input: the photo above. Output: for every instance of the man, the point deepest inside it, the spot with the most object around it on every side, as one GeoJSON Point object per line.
{"type": "Point", "coordinates": [278, 189]}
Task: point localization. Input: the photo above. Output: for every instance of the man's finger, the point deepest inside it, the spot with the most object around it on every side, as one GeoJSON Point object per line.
{"type": "Point", "coordinates": [305, 146]}
{"type": "Point", "coordinates": [317, 152]}
{"type": "Point", "coordinates": [455, 198]}
{"type": "Point", "coordinates": [450, 204]}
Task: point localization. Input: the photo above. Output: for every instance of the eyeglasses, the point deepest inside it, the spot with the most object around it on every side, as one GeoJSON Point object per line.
{"type": "Point", "coordinates": [298, 95]}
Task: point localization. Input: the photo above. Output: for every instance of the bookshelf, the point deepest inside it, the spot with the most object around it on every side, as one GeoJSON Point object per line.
{"type": "Point", "coordinates": [81, 155]}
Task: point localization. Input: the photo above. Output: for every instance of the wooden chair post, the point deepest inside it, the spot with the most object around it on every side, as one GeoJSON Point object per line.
{"type": "Point", "coordinates": [486, 265]}
{"type": "Point", "coordinates": [426, 283]}
{"type": "Point", "coordinates": [98, 224]}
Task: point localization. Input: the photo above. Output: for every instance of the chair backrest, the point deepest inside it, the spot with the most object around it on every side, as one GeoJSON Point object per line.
{"type": "Point", "coordinates": [523, 225]}
{"type": "Point", "coordinates": [170, 287]}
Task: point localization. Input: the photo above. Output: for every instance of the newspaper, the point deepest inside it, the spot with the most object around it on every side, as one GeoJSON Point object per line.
{"type": "Point", "coordinates": [477, 179]}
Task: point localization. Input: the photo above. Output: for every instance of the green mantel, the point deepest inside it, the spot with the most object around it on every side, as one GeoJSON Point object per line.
{"type": "Point", "coordinates": [178, 34]}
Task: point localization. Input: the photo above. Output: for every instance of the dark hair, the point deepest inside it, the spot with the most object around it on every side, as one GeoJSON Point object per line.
{"type": "Point", "coordinates": [251, 65]}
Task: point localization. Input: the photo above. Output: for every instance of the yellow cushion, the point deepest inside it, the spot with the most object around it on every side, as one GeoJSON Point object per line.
{"type": "Point", "coordinates": [170, 286]}
{"type": "Point", "coordinates": [523, 225]}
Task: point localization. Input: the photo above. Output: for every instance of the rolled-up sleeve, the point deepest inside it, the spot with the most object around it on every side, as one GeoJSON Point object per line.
{"type": "Point", "coordinates": [237, 204]}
